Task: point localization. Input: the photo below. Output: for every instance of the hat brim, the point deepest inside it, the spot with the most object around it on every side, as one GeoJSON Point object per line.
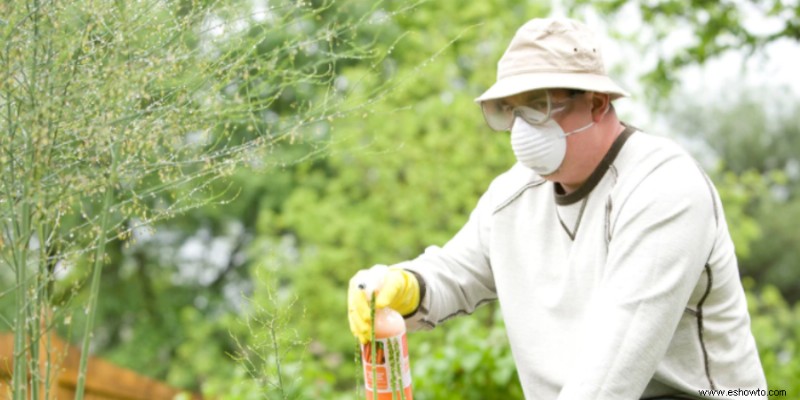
{"type": "Point", "coordinates": [527, 82]}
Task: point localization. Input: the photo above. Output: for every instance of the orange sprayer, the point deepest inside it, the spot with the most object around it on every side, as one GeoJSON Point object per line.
{"type": "Point", "coordinates": [388, 373]}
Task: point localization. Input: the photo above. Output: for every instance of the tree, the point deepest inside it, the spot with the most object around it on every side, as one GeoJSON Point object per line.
{"type": "Point", "coordinates": [401, 177]}
{"type": "Point", "coordinates": [715, 27]}
{"type": "Point", "coordinates": [116, 117]}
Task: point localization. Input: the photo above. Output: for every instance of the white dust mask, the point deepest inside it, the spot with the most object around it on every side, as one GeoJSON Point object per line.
{"type": "Point", "coordinates": [540, 147]}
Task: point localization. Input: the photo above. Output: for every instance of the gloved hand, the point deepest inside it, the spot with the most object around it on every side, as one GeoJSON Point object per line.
{"type": "Point", "coordinates": [395, 288]}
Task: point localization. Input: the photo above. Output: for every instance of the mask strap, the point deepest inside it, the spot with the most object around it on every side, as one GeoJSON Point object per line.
{"type": "Point", "coordinates": [581, 129]}
{"type": "Point", "coordinates": [589, 125]}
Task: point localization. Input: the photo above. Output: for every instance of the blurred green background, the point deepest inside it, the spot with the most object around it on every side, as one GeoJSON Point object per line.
{"type": "Point", "coordinates": [365, 147]}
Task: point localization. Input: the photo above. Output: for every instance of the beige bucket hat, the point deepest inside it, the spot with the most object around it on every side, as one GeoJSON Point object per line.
{"type": "Point", "coordinates": [552, 53]}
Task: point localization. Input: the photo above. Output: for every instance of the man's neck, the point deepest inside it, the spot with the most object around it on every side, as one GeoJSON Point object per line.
{"type": "Point", "coordinates": [569, 186]}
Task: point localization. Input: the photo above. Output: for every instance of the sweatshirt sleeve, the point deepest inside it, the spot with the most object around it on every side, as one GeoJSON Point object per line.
{"type": "Point", "coordinates": [660, 241]}
{"type": "Point", "coordinates": [456, 278]}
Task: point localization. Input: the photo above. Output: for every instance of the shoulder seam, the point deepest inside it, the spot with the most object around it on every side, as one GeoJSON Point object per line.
{"type": "Point", "coordinates": [699, 316]}
{"type": "Point", "coordinates": [710, 186]}
{"type": "Point", "coordinates": [516, 194]}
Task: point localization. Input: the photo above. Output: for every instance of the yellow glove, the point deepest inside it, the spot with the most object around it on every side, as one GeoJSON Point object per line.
{"type": "Point", "coordinates": [394, 288]}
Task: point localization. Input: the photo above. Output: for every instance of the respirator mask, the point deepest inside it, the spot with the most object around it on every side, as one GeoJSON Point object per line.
{"type": "Point", "coordinates": [537, 140]}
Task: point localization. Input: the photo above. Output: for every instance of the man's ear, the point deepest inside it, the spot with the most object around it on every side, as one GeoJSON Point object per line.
{"type": "Point", "coordinates": [601, 103]}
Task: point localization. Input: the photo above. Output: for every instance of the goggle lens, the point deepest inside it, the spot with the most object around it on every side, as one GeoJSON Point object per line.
{"type": "Point", "coordinates": [500, 115]}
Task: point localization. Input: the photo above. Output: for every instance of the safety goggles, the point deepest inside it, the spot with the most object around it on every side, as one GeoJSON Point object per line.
{"type": "Point", "coordinates": [537, 109]}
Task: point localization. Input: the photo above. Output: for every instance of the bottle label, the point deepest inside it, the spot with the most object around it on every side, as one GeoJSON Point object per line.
{"type": "Point", "coordinates": [392, 369]}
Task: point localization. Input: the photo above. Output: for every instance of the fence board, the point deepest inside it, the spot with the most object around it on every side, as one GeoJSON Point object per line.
{"type": "Point", "coordinates": [104, 380]}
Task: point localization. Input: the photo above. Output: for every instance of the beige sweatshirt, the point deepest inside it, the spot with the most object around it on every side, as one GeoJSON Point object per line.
{"type": "Point", "coordinates": [627, 288]}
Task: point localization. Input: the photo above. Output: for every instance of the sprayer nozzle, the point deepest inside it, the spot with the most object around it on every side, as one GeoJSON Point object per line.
{"type": "Point", "coordinates": [370, 280]}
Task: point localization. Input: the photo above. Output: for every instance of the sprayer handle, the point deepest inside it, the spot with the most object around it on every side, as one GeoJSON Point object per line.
{"type": "Point", "coordinates": [394, 288]}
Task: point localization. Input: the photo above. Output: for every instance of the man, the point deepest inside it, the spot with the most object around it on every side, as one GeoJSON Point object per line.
{"type": "Point", "coordinates": [606, 247]}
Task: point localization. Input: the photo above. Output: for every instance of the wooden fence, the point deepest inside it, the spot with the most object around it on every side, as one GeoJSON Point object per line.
{"type": "Point", "coordinates": [104, 380]}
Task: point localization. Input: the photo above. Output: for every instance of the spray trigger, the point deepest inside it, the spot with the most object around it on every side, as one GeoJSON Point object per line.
{"type": "Point", "coordinates": [371, 279]}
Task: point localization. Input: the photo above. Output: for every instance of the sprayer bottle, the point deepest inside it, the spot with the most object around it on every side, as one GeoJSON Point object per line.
{"type": "Point", "coordinates": [388, 371]}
